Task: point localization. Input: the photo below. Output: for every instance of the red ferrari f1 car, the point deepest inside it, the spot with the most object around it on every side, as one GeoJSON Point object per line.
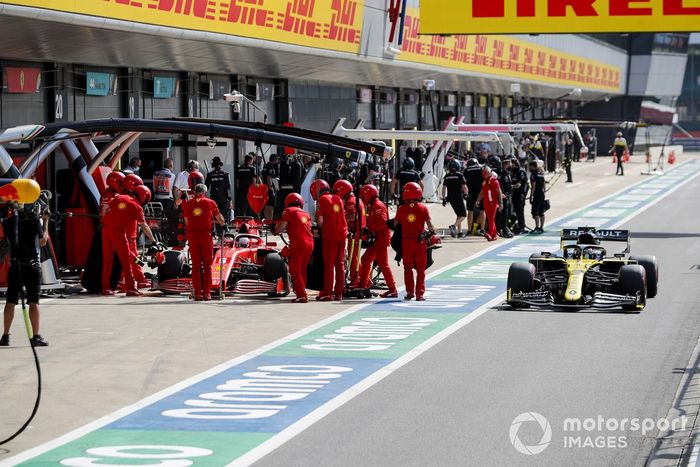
{"type": "Point", "coordinates": [244, 263]}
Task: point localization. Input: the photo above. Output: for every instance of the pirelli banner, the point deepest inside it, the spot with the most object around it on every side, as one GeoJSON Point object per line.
{"type": "Point", "coordinates": [505, 56]}
{"type": "Point", "coordinates": [558, 16]}
{"type": "Point", "coordinates": [327, 24]}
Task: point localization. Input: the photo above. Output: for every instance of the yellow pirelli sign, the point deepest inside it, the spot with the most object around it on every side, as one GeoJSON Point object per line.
{"type": "Point", "coordinates": [327, 24]}
{"type": "Point", "coordinates": [505, 56]}
{"type": "Point", "coordinates": [558, 16]}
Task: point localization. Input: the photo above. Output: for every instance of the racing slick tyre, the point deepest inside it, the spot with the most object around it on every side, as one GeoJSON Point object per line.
{"type": "Point", "coordinates": [521, 278]}
{"type": "Point", "coordinates": [172, 267]}
{"type": "Point", "coordinates": [274, 267]}
{"type": "Point", "coordinates": [632, 280]}
{"type": "Point", "coordinates": [651, 266]}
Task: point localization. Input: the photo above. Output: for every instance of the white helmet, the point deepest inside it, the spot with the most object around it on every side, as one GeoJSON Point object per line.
{"type": "Point", "coordinates": [243, 242]}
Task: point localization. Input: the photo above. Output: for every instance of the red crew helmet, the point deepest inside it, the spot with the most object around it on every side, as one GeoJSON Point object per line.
{"type": "Point", "coordinates": [368, 193]}
{"type": "Point", "coordinates": [131, 181]}
{"type": "Point", "coordinates": [486, 172]}
{"type": "Point", "coordinates": [115, 180]}
{"type": "Point", "coordinates": [143, 194]}
{"type": "Point", "coordinates": [194, 179]}
{"type": "Point", "coordinates": [342, 188]}
{"type": "Point", "coordinates": [318, 187]}
{"type": "Point", "coordinates": [412, 192]}
{"type": "Point", "coordinates": [293, 199]}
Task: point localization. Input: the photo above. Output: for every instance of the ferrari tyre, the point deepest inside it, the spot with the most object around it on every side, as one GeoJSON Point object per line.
{"type": "Point", "coordinates": [632, 280]}
{"type": "Point", "coordinates": [172, 267]}
{"type": "Point", "coordinates": [274, 268]}
{"type": "Point", "coordinates": [521, 278]}
{"type": "Point", "coordinates": [651, 267]}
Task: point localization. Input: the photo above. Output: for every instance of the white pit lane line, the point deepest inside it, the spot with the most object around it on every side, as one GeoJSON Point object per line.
{"type": "Point", "coordinates": [327, 408]}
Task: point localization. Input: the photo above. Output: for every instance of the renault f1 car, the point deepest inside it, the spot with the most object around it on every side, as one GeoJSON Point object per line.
{"type": "Point", "coordinates": [244, 263]}
{"type": "Point", "coordinates": [582, 275]}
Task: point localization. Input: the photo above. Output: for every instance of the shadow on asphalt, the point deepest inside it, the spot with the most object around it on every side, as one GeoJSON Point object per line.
{"type": "Point", "coordinates": [612, 311]}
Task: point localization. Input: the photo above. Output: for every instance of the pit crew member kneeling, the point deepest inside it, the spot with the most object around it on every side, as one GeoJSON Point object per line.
{"type": "Point", "coordinates": [378, 250]}
{"type": "Point", "coordinates": [297, 222]}
{"type": "Point", "coordinates": [198, 213]}
{"type": "Point", "coordinates": [413, 216]}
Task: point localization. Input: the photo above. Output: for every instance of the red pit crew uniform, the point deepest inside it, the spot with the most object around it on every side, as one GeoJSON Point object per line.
{"type": "Point", "coordinates": [357, 224]}
{"type": "Point", "coordinates": [301, 245]}
{"type": "Point", "coordinates": [490, 192]}
{"type": "Point", "coordinates": [413, 216]}
{"type": "Point", "coordinates": [334, 232]}
{"type": "Point", "coordinates": [122, 212]}
{"type": "Point", "coordinates": [198, 213]}
{"type": "Point", "coordinates": [379, 250]}
{"type": "Point", "coordinates": [136, 271]}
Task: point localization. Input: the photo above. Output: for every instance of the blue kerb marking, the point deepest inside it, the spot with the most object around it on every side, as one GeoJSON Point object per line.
{"type": "Point", "coordinates": [312, 393]}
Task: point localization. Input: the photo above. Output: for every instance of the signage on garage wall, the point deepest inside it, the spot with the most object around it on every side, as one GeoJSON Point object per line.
{"type": "Point", "coordinates": [325, 24]}
{"type": "Point", "coordinates": [558, 16]}
{"type": "Point", "coordinates": [505, 56]}
{"type": "Point", "coordinates": [163, 87]}
{"type": "Point", "coordinates": [99, 84]}
{"type": "Point", "coordinates": [22, 80]}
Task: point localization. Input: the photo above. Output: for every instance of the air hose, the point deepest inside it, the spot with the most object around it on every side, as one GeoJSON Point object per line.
{"type": "Point", "coordinates": [30, 336]}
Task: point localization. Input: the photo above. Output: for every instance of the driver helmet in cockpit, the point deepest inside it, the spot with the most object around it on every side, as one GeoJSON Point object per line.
{"type": "Point", "coordinates": [572, 252]}
{"type": "Point", "coordinates": [588, 239]}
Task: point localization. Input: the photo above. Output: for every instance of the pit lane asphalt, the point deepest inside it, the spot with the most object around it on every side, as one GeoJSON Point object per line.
{"type": "Point", "coordinates": [109, 352]}
{"type": "Point", "coordinates": [454, 405]}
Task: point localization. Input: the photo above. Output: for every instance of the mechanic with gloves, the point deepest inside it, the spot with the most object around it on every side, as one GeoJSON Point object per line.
{"type": "Point", "coordinates": [330, 216]}
{"type": "Point", "coordinates": [492, 198]}
{"type": "Point", "coordinates": [219, 185]}
{"type": "Point", "coordinates": [122, 211]}
{"type": "Point", "coordinates": [355, 217]}
{"type": "Point", "coordinates": [198, 213]}
{"type": "Point", "coordinates": [413, 216]}
{"type": "Point", "coordinates": [474, 179]}
{"type": "Point", "coordinates": [297, 222]}
{"type": "Point", "coordinates": [506, 183]}
{"type": "Point", "coordinates": [537, 194]}
{"type": "Point", "coordinates": [142, 195]}
{"type": "Point", "coordinates": [378, 250]}
{"type": "Point", "coordinates": [454, 190]}
{"type": "Point", "coordinates": [521, 186]}
{"type": "Point", "coordinates": [32, 223]}
{"type": "Point", "coordinates": [407, 174]}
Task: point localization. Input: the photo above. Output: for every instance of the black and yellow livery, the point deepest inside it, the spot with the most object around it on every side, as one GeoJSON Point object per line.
{"type": "Point", "coordinates": [582, 275]}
